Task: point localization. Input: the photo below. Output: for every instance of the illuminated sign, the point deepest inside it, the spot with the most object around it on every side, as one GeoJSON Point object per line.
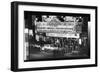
{"type": "Point", "coordinates": [63, 35]}
{"type": "Point", "coordinates": [56, 26]}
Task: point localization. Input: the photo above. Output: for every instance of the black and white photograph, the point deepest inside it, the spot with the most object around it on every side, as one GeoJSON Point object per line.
{"type": "Point", "coordinates": [52, 36]}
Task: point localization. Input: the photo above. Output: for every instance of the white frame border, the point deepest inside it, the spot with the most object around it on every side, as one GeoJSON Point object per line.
{"type": "Point", "coordinates": [37, 64]}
